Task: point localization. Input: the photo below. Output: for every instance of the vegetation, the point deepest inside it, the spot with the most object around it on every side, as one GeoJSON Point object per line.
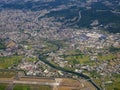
{"type": "Point", "coordinates": [107, 82]}
{"type": "Point", "coordinates": [7, 74]}
{"type": "Point", "coordinates": [75, 59]}
{"type": "Point", "coordinates": [106, 57]}
{"type": "Point", "coordinates": [44, 88]}
{"type": "Point", "coordinates": [114, 49]}
{"type": "Point", "coordinates": [80, 58]}
{"type": "Point", "coordinates": [115, 85]}
{"type": "Point", "coordinates": [6, 62]}
{"type": "Point", "coordinates": [28, 47]}
{"type": "Point", "coordinates": [2, 45]}
{"type": "Point", "coordinates": [31, 87]}
{"type": "Point", "coordinates": [21, 87]}
{"type": "Point", "coordinates": [3, 86]}
{"type": "Point", "coordinates": [33, 59]}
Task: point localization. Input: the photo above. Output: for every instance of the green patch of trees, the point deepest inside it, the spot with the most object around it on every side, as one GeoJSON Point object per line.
{"type": "Point", "coordinates": [114, 49]}
{"type": "Point", "coordinates": [2, 45]}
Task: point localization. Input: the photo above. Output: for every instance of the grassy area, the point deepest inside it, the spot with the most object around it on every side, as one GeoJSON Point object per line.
{"type": "Point", "coordinates": [115, 85]}
{"type": "Point", "coordinates": [34, 59]}
{"type": "Point", "coordinates": [48, 47]}
{"type": "Point", "coordinates": [45, 88]}
{"type": "Point", "coordinates": [28, 47]}
{"type": "Point", "coordinates": [98, 79]}
{"type": "Point", "coordinates": [114, 49]}
{"type": "Point", "coordinates": [107, 57]}
{"type": "Point", "coordinates": [73, 52]}
{"type": "Point", "coordinates": [31, 87]}
{"type": "Point", "coordinates": [6, 62]}
{"type": "Point", "coordinates": [2, 46]}
{"type": "Point", "coordinates": [22, 87]}
{"type": "Point", "coordinates": [85, 59]}
{"type": "Point", "coordinates": [3, 86]}
{"type": "Point", "coordinates": [7, 74]}
{"type": "Point", "coordinates": [77, 59]}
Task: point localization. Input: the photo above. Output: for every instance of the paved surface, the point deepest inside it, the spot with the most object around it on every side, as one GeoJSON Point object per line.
{"type": "Point", "coordinates": [56, 84]}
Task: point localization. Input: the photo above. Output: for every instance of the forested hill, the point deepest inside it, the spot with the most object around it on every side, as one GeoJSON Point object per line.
{"type": "Point", "coordinates": [103, 14]}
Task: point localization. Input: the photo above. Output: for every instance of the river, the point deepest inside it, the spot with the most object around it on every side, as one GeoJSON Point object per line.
{"type": "Point", "coordinates": [42, 58]}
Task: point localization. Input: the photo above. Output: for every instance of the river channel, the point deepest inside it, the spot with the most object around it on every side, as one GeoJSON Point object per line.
{"type": "Point", "coordinates": [43, 59]}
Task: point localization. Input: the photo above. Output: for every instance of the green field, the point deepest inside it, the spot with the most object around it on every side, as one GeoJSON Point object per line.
{"type": "Point", "coordinates": [77, 59]}
{"type": "Point", "coordinates": [31, 87]}
{"type": "Point", "coordinates": [3, 86]}
{"type": "Point", "coordinates": [107, 57]}
{"type": "Point", "coordinates": [22, 87]}
{"type": "Point", "coordinates": [2, 46]}
{"type": "Point", "coordinates": [33, 59]}
{"type": "Point", "coordinates": [7, 74]}
{"type": "Point", "coordinates": [115, 85]}
{"type": "Point", "coordinates": [6, 62]}
{"type": "Point", "coordinates": [98, 79]}
{"type": "Point", "coordinates": [82, 59]}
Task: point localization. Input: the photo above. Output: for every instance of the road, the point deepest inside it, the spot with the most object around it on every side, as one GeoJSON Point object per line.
{"type": "Point", "coordinates": [79, 18]}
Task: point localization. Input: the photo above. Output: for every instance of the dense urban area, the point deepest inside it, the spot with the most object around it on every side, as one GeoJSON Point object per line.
{"type": "Point", "coordinates": [42, 44]}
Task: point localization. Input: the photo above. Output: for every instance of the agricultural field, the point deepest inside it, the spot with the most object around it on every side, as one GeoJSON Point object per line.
{"type": "Point", "coordinates": [77, 59]}
{"type": "Point", "coordinates": [7, 74]}
{"type": "Point", "coordinates": [82, 59]}
{"type": "Point", "coordinates": [110, 83]}
{"type": "Point", "coordinates": [115, 84]}
{"type": "Point", "coordinates": [3, 86]}
{"type": "Point", "coordinates": [6, 62]}
{"type": "Point", "coordinates": [21, 87]}
{"type": "Point", "coordinates": [31, 59]}
{"type": "Point", "coordinates": [107, 57]}
{"type": "Point", "coordinates": [25, 87]}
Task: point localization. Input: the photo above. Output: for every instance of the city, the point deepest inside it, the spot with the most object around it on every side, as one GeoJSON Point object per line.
{"type": "Point", "coordinates": [35, 44]}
